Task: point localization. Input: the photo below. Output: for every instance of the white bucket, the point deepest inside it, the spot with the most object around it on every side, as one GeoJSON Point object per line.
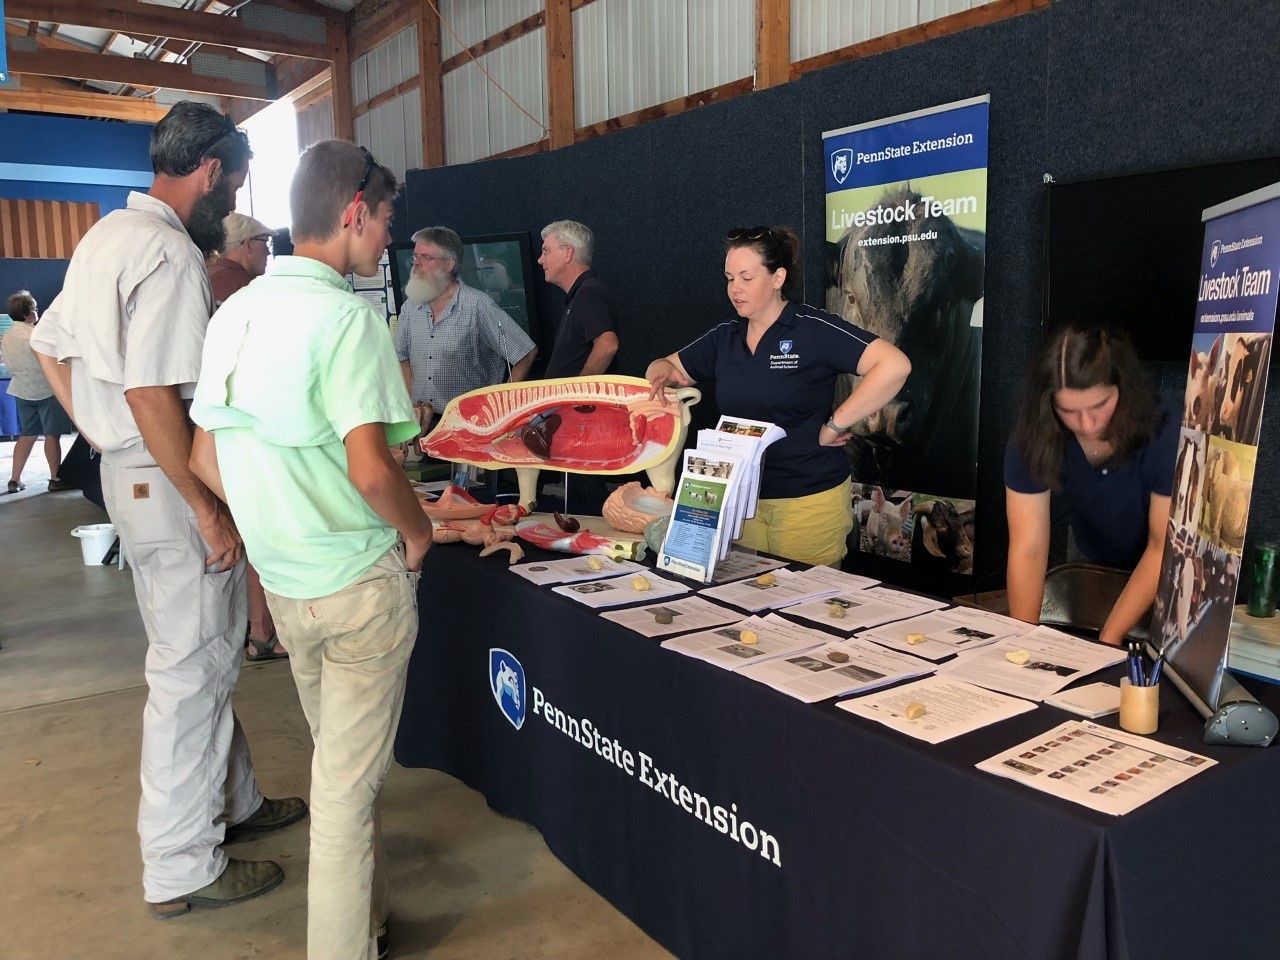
{"type": "Point", "coordinates": [95, 540]}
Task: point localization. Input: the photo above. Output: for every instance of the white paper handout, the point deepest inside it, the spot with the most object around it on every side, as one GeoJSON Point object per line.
{"type": "Point", "coordinates": [741, 563]}
{"type": "Point", "coordinates": [772, 590]}
{"type": "Point", "coordinates": [748, 439]}
{"type": "Point", "coordinates": [702, 522]}
{"type": "Point", "coordinates": [1093, 700]}
{"type": "Point", "coordinates": [766, 637]}
{"type": "Point", "coordinates": [1107, 770]}
{"type": "Point", "coordinates": [949, 708]}
{"type": "Point", "coordinates": [841, 667]}
{"type": "Point", "coordinates": [620, 590]}
{"type": "Point", "coordinates": [1033, 665]}
{"type": "Point", "coordinates": [573, 569]}
{"type": "Point", "coordinates": [864, 608]}
{"type": "Point", "coordinates": [687, 613]}
{"type": "Point", "coordinates": [944, 633]}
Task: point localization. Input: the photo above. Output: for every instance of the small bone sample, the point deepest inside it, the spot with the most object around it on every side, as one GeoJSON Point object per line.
{"type": "Point", "coordinates": [1017, 656]}
{"type": "Point", "coordinates": [835, 611]}
{"type": "Point", "coordinates": [663, 616]}
{"type": "Point", "coordinates": [640, 584]}
{"type": "Point", "coordinates": [748, 637]}
{"type": "Point", "coordinates": [767, 579]}
{"type": "Point", "coordinates": [595, 563]}
{"type": "Point", "coordinates": [838, 656]}
{"type": "Point", "coordinates": [914, 711]}
{"type": "Point", "coordinates": [914, 638]}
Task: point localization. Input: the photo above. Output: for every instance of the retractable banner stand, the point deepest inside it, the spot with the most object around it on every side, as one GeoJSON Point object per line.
{"type": "Point", "coordinates": [1218, 447]}
{"type": "Point", "coordinates": [4, 53]}
{"type": "Point", "coordinates": [906, 240]}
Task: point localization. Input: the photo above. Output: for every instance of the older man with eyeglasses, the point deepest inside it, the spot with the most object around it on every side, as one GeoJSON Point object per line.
{"type": "Point", "coordinates": [452, 337]}
{"type": "Point", "coordinates": [244, 256]}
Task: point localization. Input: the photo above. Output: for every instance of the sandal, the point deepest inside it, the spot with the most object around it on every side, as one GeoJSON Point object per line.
{"type": "Point", "coordinates": [261, 651]}
{"type": "Point", "coordinates": [16, 486]}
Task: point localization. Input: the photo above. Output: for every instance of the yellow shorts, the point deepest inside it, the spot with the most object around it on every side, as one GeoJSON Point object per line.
{"type": "Point", "coordinates": [811, 529]}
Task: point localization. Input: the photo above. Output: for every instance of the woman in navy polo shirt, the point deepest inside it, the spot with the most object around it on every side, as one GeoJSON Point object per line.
{"type": "Point", "coordinates": [1093, 428]}
{"type": "Point", "coordinates": [778, 361]}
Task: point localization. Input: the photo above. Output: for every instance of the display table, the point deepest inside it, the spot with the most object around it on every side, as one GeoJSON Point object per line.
{"type": "Point", "coordinates": [880, 847]}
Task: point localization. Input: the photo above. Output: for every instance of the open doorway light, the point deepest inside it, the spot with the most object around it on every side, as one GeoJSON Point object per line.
{"type": "Point", "coordinates": [273, 135]}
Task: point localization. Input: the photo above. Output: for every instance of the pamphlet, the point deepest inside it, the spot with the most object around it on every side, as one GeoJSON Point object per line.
{"type": "Point", "coordinates": [701, 528]}
{"type": "Point", "coordinates": [859, 609]}
{"type": "Point", "coordinates": [936, 708]}
{"type": "Point", "coordinates": [633, 588]}
{"type": "Point", "coordinates": [573, 569]}
{"type": "Point", "coordinates": [1103, 769]}
{"type": "Point", "coordinates": [1033, 665]}
{"type": "Point", "coordinates": [944, 633]}
{"type": "Point", "coordinates": [1093, 700]}
{"type": "Point", "coordinates": [740, 563]}
{"type": "Point", "coordinates": [841, 667]}
{"type": "Point", "coordinates": [748, 440]}
{"type": "Point", "coordinates": [755, 639]}
{"type": "Point", "coordinates": [673, 616]}
{"type": "Point", "coordinates": [770, 591]}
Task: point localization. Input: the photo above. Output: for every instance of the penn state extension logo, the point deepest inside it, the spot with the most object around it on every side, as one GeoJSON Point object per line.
{"type": "Point", "coordinates": [506, 680]}
{"type": "Point", "coordinates": [786, 345]}
{"type": "Point", "coordinates": [841, 164]}
{"type": "Point", "coordinates": [1214, 252]}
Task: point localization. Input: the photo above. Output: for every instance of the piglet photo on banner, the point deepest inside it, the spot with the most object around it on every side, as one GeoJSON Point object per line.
{"type": "Point", "coordinates": [1218, 447]}
{"type": "Point", "coordinates": [906, 256]}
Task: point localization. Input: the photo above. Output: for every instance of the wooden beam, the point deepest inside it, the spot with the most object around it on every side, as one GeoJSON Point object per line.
{"type": "Point", "coordinates": [432, 92]}
{"type": "Point", "coordinates": [773, 43]}
{"type": "Point", "coordinates": [82, 105]}
{"type": "Point", "coordinates": [560, 97]}
{"type": "Point", "coordinates": [488, 44]}
{"type": "Point", "coordinates": [366, 34]}
{"type": "Point", "coordinates": [150, 19]}
{"type": "Point", "coordinates": [399, 90]}
{"type": "Point", "coordinates": [579, 4]}
{"type": "Point", "coordinates": [981, 16]}
{"type": "Point", "coordinates": [109, 68]}
{"type": "Point", "coordinates": [527, 150]}
{"type": "Point", "coordinates": [669, 109]}
{"type": "Point", "coordinates": [344, 124]}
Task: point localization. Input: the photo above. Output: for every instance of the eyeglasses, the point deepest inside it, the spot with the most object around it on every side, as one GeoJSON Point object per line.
{"type": "Point", "coordinates": [428, 258]}
{"type": "Point", "coordinates": [369, 164]}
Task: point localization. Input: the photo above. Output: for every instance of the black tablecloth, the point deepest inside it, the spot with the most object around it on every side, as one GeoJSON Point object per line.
{"type": "Point", "coordinates": [886, 847]}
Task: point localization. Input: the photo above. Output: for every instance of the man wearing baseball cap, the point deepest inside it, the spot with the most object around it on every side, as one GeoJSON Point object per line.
{"type": "Point", "coordinates": [244, 256]}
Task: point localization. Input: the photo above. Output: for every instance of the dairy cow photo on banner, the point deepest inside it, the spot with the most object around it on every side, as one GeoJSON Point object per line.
{"type": "Point", "coordinates": [906, 242]}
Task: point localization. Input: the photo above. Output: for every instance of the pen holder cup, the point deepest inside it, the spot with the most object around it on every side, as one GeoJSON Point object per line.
{"type": "Point", "coordinates": [1139, 707]}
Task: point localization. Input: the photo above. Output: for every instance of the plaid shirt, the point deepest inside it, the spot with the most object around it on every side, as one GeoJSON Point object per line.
{"type": "Point", "coordinates": [469, 347]}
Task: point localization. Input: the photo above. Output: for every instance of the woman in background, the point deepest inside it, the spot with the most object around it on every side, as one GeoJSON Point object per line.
{"type": "Point", "coordinates": [1092, 428]}
{"type": "Point", "coordinates": [778, 361]}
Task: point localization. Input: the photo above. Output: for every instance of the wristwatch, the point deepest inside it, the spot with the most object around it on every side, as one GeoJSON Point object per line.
{"type": "Point", "coordinates": [831, 425]}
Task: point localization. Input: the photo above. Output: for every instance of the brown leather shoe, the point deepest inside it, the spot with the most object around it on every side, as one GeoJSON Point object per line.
{"type": "Point", "coordinates": [241, 880]}
{"type": "Point", "coordinates": [272, 815]}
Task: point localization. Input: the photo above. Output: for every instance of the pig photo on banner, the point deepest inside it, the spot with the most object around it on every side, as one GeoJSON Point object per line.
{"type": "Point", "coordinates": [1218, 446]}
{"type": "Point", "coordinates": [906, 244]}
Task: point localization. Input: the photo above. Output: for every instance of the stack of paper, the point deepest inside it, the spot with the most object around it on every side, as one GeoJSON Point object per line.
{"type": "Point", "coordinates": [779, 588]}
{"type": "Point", "coordinates": [573, 569]}
{"type": "Point", "coordinates": [632, 588]}
{"type": "Point", "coordinates": [1033, 665]}
{"type": "Point", "coordinates": [944, 633]}
{"type": "Point", "coordinates": [864, 608]}
{"type": "Point", "coordinates": [1093, 700]}
{"type": "Point", "coordinates": [840, 667]}
{"type": "Point", "coordinates": [746, 440]}
{"type": "Point", "coordinates": [702, 524]}
{"type": "Point", "coordinates": [680, 616]}
{"type": "Point", "coordinates": [936, 708]}
{"type": "Point", "coordinates": [755, 639]}
{"type": "Point", "coordinates": [742, 563]}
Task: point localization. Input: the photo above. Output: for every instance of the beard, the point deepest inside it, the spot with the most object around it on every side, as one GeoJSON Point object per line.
{"type": "Point", "coordinates": [425, 287]}
{"type": "Point", "coordinates": [205, 225]}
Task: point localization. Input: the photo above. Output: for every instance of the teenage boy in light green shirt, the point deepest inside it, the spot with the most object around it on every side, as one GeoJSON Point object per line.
{"type": "Point", "coordinates": [299, 398]}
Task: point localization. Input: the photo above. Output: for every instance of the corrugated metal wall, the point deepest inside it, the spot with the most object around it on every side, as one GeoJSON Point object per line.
{"type": "Point", "coordinates": [478, 120]}
{"type": "Point", "coordinates": [389, 63]}
{"type": "Point", "coordinates": [476, 20]}
{"type": "Point", "coordinates": [393, 132]}
{"type": "Point", "coordinates": [631, 54]}
{"type": "Point", "coordinates": [315, 123]}
{"type": "Point", "coordinates": [821, 25]}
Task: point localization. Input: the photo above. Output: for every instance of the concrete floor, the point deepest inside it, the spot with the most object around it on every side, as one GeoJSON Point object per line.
{"type": "Point", "coordinates": [467, 883]}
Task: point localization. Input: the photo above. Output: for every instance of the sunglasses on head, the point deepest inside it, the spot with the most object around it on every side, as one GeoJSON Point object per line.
{"type": "Point", "coordinates": [369, 164]}
{"type": "Point", "coordinates": [228, 129]}
{"type": "Point", "coordinates": [749, 233]}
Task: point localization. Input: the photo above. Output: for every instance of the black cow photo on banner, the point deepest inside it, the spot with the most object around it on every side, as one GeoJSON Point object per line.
{"type": "Point", "coordinates": [906, 240]}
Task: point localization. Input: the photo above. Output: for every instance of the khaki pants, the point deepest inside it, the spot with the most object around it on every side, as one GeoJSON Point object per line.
{"type": "Point", "coordinates": [349, 653]}
{"type": "Point", "coordinates": [810, 529]}
{"type": "Point", "coordinates": [197, 776]}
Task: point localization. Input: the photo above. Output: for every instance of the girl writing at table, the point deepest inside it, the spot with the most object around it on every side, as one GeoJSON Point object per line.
{"type": "Point", "coordinates": [778, 361]}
